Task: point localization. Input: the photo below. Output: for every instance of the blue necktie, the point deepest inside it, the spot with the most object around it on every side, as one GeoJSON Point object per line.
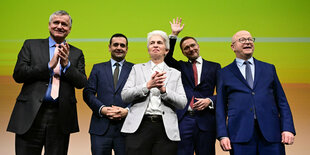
{"type": "Point", "coordinates": [248, 74]}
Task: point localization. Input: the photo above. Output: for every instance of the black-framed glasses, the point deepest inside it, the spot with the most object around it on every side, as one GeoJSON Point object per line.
{"type": "Point", "coordinates": [243, 40]}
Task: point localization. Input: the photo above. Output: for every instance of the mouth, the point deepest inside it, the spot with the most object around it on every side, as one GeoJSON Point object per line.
{"type": "Point", "coordinates": [247, 47]}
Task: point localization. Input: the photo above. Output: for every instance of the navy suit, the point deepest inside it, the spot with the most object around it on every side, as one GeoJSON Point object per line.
{"type": "Point", "coordinates": [237, 101]}
{"type": "Point", "coordinates": [99, 92]}
{"type": "Point", "coordinates": [191, 126]}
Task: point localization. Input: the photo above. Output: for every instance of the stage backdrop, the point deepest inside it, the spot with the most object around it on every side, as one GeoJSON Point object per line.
{"type": "Point", "coordinates": [281, 29]}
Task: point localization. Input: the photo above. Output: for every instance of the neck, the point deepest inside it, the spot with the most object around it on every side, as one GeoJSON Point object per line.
{"type": "Point", "coordinates": [157, 61]}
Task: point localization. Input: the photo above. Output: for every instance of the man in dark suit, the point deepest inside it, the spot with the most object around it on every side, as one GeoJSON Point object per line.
{"type": "Point", "coordinates": [252, 113]}
{"type": "Point", "coordinates": [45, 110]}
{"type": "Point", "coordinates": [103, 95]}
{"type": "Point", "coordinates": [197, 119]}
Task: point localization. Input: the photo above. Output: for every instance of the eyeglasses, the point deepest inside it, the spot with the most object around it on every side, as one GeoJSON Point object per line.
{"type": "Point", "coordinates": [117, 44]}
{"type": "Point", "coordinates": [243, 40]}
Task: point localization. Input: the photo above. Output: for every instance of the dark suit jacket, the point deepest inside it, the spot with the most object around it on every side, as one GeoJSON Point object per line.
{"type": "Point", "coordinates": [31, 69]}
{"type": "Point", "coordinates": [100, 91]}
{"type": "Point", "coordinates": [205, 89]}
{"type": "Point", "coordinates": [236, 99]}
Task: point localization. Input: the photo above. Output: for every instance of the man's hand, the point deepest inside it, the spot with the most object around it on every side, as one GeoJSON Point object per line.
{"type": "Point", "coordinates": [64, 54]}
{"type": "Point", "coordinates": [201, 103]}
{"type": "Point", "coordinates": [287, 138]}
{"type": "Point", "coordinates": [157, 80]}
{"type": "Point", "coordinates": [54, 60]}
{"type": "Point", "coordinates": [114, 112]}
{"type": "Point", "coordinates": [225, 144]}
{"type": "Point", "coordinates": [176, 27]}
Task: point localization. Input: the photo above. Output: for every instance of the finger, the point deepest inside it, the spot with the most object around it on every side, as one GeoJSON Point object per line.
{"type": "Point", "coordinates": [173, 20]}
{"type": "Point", "coordinates": [170, 23]}
{"type": "Point", "coordinates": [177, 20]}
{"type": "Point", "coordinates": [181, 20]}
{"type": "Point", "coordinates": [182, 27]}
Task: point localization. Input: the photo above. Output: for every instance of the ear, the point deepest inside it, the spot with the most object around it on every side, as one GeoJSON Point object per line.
{"type": "Point", "coordinates": [110, 48]}
{"type": "Point", "coordinates": [232, 47]}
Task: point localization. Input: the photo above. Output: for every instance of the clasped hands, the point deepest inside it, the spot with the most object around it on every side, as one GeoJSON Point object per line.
{"type": "Point", "coordinates": [157, 81]}
{"type": "Point", "coordinates": [114, 112]}
{"type": "Point", "coordinates": [61, 55]}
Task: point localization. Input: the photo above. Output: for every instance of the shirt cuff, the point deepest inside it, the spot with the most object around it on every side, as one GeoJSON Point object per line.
{"type": "Point", "coordinates": [100, 110]}
{"type": "Point", "coordinates": [211, 105]}
{"type": "Point", "coordinates": [65, 69]}
{"type": "Point", "coordinates": [171, 36]}
{"type": "Point", "coordinates": [145, 90]}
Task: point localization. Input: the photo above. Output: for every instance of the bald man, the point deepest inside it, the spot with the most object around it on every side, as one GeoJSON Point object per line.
{"type": "Point", "coordinates": [251, 99]}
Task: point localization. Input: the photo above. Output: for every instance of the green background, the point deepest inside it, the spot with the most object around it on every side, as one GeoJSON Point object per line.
{"type": "Point", "coordinates": [284, 22]}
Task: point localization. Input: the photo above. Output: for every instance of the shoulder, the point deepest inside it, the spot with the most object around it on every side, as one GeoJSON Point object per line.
{"type": "Point", "coordinates": [211, 63]}
{"type": "Point", "coordinates": [263, 64]}
{"type": "Point", "coordinates": [35, 41]}
{"type": "Point", "coordinates": [75, 49]}
{"type": "Point", "coordinates": [129, 63]}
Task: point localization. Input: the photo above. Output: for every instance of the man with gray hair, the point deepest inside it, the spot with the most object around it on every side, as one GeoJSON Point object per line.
{"type": "Point", "coordinates": [155, 92]}
{"type": "Point", "coordinates": [45, 111]}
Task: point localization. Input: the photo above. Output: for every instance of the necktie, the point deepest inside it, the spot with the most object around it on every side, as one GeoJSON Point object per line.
{"type": "Point", "coordinates": [116, 73]}
{"type": "Point", "coordinates": [248, 74]}
{"type": "Point", "coordinates": [56, 78]}
{"type": "Point", "coordinates": [196, 81]}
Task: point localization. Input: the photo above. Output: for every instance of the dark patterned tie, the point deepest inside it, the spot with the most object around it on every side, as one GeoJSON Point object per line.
{"type": "Point", "coordinates": [116, 73]}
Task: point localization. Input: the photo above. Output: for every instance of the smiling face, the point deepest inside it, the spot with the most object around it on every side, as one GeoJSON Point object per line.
{"type": "Point", "coordinates": [242, 50]}
{"type": "Point", "coordinates": [190, 49]}
{"type": "Point", "coordinates": [157, 48]}
{"type": "Point", "coordinates": [118, 48]}
{"type": "Point", "coordinates": [59, 27]}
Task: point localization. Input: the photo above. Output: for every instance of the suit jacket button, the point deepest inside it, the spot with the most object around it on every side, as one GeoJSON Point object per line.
{"type": "Point", "coordinates": [41, 100]}
{"type": "Point", "coordinates": [253, 93]}
{"type": "Point", "coordinates": [46, 85]}
{"type": "Point", "coordinates": [163, 113]}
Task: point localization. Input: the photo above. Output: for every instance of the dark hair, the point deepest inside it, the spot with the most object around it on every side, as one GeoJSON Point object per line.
{"type": "Point", "coordinates": [185, 38]}
{"type": "Point", "coordinates": [118, 35]}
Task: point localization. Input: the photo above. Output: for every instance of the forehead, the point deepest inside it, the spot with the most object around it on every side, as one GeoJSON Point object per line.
{"type": "Point", "coordinates": [188, 41]}
{"type": "Point", "coordinates": [243, 34]}
{"type": "Point", "coordinates": [63, 18]}
{"type": "Point", "coordinates": [156, 38]}
{"type": "Point", "coordinates": [118, 39]}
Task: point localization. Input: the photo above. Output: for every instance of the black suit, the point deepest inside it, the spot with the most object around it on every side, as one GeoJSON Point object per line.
{"type": "Point", "coordinates": [32, 70]}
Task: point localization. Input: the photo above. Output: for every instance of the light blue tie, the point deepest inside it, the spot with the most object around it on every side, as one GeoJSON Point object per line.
{"type": "Point", "coordinates": [248, 73]}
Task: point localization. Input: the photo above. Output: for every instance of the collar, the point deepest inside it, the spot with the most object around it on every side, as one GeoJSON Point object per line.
{"type": "Point", "coordinates": [241, 61]}
{"type": "Point", "coordinates": [120, 63]}
{"type": "Point", "coordinates": [198, 60]}
{"type": "Point", "coordinates": [51, 42]}
{"type": "Point", "coordinates": [160, 66]}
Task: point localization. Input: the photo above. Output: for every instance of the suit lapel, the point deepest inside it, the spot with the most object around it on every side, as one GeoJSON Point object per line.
{"type": "Point", "coordinates": [168, 73]}
{"type": "Point", "coordinates": [204, 71]}
{"type": "Point", "coordinates": [236, 71]}
{"type": "Point", "coordinates": [45, 53]}
{"type": "Point", "coordinates": [107, 70]}
{"type": "Point", "coordinates": [146, 69]}
{"type": "Point", "coordinates": [122, 76]}
{"type": "Point", "coordinates": [190, 73]}
{"type": "Point", "coordinates": [258, 70]}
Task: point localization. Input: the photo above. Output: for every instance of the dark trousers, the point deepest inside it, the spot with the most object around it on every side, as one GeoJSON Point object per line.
{"type": "Point", "coordinates": [43, 132]}
{"type": "Point", "coordinates": [195, 140]}
{"type": "Point", "coordinates": [257, 146]}
{"type": "Point", "coordinates": [112, 139]}
{"type": "Point", "coordinates": [150, 139]}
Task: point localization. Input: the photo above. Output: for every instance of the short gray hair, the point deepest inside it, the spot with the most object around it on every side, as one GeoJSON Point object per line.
{"type": "Point", "coordinates": [61, 13]}
{"type": "Point", "coordinates": [160, 33]}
